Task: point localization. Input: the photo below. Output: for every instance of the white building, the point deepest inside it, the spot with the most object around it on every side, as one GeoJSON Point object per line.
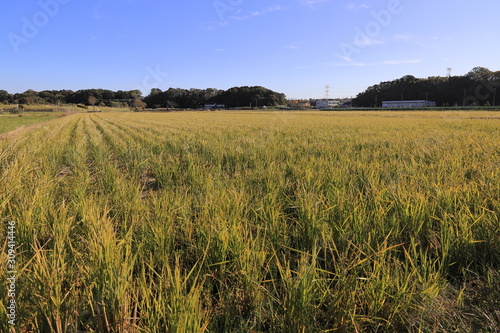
{"type": "Point", "coordinates": [408, 104]}
{"type": "Point", "coordinates": [327, 104]}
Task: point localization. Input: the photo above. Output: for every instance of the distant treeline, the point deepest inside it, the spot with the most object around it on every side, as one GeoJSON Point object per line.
{"type": "Point", "coordinates": [59, 97]}
{"type": "Point", "coordinates": [233, 98]}
{"type": "Point", "coordinates": [171, 98]}
{"type": "Point", "coordinates": [476, 88]}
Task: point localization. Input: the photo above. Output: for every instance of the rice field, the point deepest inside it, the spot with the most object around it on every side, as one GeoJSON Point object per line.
{"type": "Point", "coordinates": [11, 122]}
{"type": "Point", "coordinates": [254, 222]}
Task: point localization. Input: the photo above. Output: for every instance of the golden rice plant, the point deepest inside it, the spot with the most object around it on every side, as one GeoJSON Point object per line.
{"type": "Point", "coordinates": [255, 222]}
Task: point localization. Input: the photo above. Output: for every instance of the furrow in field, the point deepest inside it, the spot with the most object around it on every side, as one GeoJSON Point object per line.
{"type": "Point", "coordinates": [131, 135]}
{"type": "Point", "coordinates": [145, 131]}
{"type": "Point", "coordinates": [130, 155]}
{"type": "Point", "coordinates": [231, 222]}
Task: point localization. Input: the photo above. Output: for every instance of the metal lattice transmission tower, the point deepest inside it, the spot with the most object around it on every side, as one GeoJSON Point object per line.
{"type": "Point", "coordinates": [327, 92]}
{"type": "Point", "coordinates": [448, 71]}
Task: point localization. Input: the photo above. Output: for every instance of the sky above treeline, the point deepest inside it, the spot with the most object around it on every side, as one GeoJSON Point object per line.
{"type": "Point", "coordinates": [296, 47]}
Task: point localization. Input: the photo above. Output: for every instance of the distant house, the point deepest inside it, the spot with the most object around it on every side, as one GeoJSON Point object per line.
{"type": "Point", "coordinates": [408, 104]}
{"type": "Point", "coordinates": [214, 106]}
{"type": "Point", "coordinates": [300, 103]}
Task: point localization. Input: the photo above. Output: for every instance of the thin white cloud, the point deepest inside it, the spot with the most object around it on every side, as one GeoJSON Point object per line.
{"type": "Point", "coordinates": [350, 64]}
{"type": "Point", "coordinates": [357, 7]}
{"type": "Point", "coordinates": [258, 13]}
{"type": "Point", "coordinates": [387, 62]}
{"type": "Point", "coordinates": [214, 25]}
{"type": "Point", "coordinates": [297, 45]}
{"type": "Point", "coordinates": [313, 4]}
{"type": "Point", "coordinates": [429, 41]}
{"type": "Point", "coordinates": [410, 39]}
{"type": "Point", "coordinates": [402, 37]}
{"type": "Point", "coordinates": [97, 13]}
{"type": "Point", "coordinates": [345, 58]}
{"type": "Point", "coordinates": [402, 62]}
{"type": "Point", "coordinates": [239, 15]}
{"type": "Point", "coordinates": [368, 42]}
{"type": "Point", "coordinates": [292, 47]}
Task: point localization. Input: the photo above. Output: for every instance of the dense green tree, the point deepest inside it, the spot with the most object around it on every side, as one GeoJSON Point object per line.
{"type": "Point", "coordinates": [28, 97]}
{"type": "Point", "coordinates": [120, 94]}
{"type": "Point", "coordinates": [251, 96]}
{"type": "Point", "coordinates": [480, 73]}
{"type": "Point", "coordinates": [135, 94]}
{"type": "Point", "coordinates": [475, 88]}
{"type": "Point", "coordinates": [197, 98]}
{"type": "Point", "coordinates": [155, 91]}
{"type": "Point", "coordinates": [4, 96]}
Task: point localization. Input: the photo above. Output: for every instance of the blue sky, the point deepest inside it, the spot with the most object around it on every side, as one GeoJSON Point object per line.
{"type": "Point", "coordinates": [295, 46]}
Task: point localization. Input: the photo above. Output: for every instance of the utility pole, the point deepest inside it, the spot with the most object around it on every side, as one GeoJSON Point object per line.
{"type": "Point", "coordinates": [464, 97]}
{"type": "Point", "coordinates": [494, 96]}
{"type": "Point", "coordinates": [401, 97]}
{"type": "Point", "coordinates": [426, 96]}
{"type": "Point", "coordinates": [376, 101]}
